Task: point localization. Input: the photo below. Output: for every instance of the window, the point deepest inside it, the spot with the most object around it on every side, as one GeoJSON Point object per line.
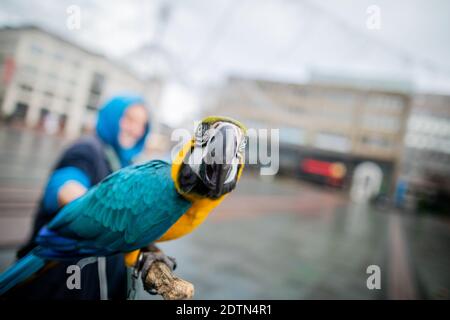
{"type": "Point", "coordinates": [345, 98]}
{"type": "Point", "coordinates": [380, 122]}
{"type": "Point", "coordinates": [26, 87]}
{"type": "Point", "coordinates": [91, 107]}
{"type": "Point", "coordinates": [292, 136]}
{"type": "Point", "coordinates": [98, 81]}
{"type": "Point", "coordinates": [429, 125]}
{"type": "Point", "coordinates": [376, 142]}
{"type": "Point", "coordinates": [334, 142]}
{"type": "Point", "coordinates": [337, 114]}
{"type": "Point", "coordinates": [35, 49]}
{"type": "Point", "coordinates": [428, 142]}
{"type": "Point", "coordinates": [93, 102]}
{"type": "Point", "coordinates": [29, 69]}
{"type": "Point", "coordinates": [20, 112]}
{"type": "Point", "coordinates": [49, 94]}
{"type": "Point", "coordinates": [385, 102]}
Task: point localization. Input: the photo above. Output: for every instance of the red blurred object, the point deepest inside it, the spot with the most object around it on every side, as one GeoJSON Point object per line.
{"type": "Point", "coordinates": [335, 170]}
{"type": "Point", "coordinates": [322, 168]}
{"type": "Point", "coordinates": [8, 70]}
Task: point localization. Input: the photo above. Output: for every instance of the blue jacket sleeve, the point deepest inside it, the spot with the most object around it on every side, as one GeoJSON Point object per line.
{"type": "Point", "coordinates": [57, 180]}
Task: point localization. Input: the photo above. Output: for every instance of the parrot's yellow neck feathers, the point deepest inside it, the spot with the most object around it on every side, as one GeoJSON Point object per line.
{"type": "Point", "coordinates": [176, 165]}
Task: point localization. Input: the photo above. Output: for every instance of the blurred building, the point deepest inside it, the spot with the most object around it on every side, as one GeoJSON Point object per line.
{"type": "Point", "coordinates": [326, 130]}
{"type": "Point", "coordinates": [49, 82]}
{"type": "Point", "coordinates": [426, 163]}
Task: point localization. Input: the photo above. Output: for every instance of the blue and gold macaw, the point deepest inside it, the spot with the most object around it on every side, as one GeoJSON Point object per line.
{"type": "Point", "coordinates": [142, 204]}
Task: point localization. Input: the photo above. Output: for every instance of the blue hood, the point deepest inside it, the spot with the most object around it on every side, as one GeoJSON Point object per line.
{"type": "Point", "coordinates": [108, 126]}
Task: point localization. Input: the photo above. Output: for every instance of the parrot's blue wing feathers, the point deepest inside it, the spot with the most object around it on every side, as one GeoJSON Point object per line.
{"type": "Point", "coordinates": [127, 210]}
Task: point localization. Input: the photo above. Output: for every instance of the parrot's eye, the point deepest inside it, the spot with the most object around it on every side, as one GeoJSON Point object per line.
{"type": "Point", "coordinates": [243, 145]}
{"type": "Point", "coordinates": [199, 132]}
{"type": "Point", "coordinates": [201, 135]}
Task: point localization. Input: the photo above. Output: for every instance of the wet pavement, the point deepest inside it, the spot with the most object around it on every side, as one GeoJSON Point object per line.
{"type": "Point", "coordinates": [271, 239]}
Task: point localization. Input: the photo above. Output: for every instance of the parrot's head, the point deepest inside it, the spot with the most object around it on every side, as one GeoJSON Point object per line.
{"type": "Point", "coordinates": [211, 163]}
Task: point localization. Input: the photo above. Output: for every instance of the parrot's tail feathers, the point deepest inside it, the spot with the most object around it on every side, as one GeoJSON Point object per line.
{"type": "Point", "coordinates": [20, 271]}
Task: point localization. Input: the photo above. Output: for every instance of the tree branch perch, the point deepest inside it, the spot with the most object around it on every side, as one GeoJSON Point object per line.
{"type": "Point", "coordinates": [166, 284]}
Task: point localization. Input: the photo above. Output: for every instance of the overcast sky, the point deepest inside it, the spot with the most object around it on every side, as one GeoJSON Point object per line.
{"type": "Point", "coordinates": [204, 41]}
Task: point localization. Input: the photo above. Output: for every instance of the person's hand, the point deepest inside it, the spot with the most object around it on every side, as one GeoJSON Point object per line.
{"type": "Point", "coordinates": [70, 191]}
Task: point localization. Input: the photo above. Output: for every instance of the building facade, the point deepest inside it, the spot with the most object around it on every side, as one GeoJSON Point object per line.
{"type": "Point", "coordinates": [426, 162]}
{"type": "Point", "coordinates": [323, 126]}
{"type": "Point", "coordinates": [49, 82]}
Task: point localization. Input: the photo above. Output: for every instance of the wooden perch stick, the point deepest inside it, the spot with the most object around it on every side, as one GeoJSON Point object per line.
{"type": "Point", "coordinates": [166, 284]}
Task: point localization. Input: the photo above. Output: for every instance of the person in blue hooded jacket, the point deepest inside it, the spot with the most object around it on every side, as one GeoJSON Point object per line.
{"type": "Point", "coordinates": [122, 128]}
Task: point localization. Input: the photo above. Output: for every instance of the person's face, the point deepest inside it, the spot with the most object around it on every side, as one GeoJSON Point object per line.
{"type": "Point", "coordinates": [132, 125]}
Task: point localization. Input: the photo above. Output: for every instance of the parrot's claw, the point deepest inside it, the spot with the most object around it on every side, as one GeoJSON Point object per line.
{"type": "Point", "coordinates": [148, 258]}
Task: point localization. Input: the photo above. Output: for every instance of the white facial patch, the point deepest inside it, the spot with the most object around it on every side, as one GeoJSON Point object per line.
{"type": "Point", "coordinates": [212, 150]}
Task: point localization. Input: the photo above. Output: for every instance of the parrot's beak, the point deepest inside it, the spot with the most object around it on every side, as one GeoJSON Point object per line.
{"type": "Point", "coordinates": [220, 157]}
